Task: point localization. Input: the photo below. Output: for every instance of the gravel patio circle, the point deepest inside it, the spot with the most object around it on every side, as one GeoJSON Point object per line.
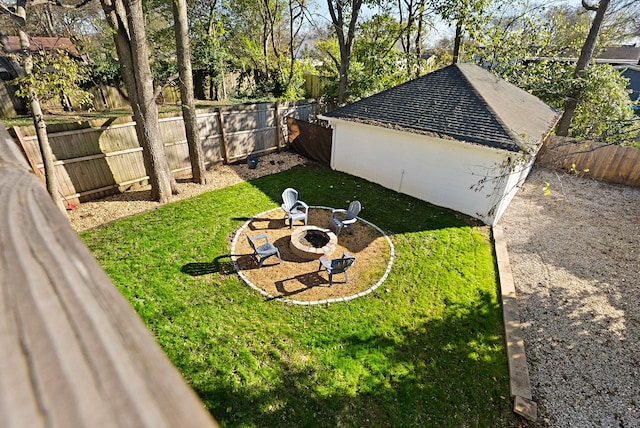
{"type": "Point", "coordinates": [299, 281]}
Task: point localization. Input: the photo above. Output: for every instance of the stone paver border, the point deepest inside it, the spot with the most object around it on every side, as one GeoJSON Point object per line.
{"type": "Point", "coordinates": [313, 302]}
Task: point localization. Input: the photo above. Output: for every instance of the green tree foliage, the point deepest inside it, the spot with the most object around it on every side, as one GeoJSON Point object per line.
{"type": "Point", "coordinates": [55, 75]}
{"type": "Point", "coordinates": [210, 55]}
{"type": "Point", "coordinates": [605, 111]}
{"type": "Point", "coordinates": [262, 38]}
{"type": "Point", "coordinates": [532, 48]}
{"type": "Point", "coordinates": [376, 63]}
{"type": "Point", "coordinates": [105, 67]}
{"type": "Point", "coordinates": [467, 15]}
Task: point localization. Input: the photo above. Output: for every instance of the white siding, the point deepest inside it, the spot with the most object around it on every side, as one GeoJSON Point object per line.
{"type": "Point", "coordinates": [442, 172]}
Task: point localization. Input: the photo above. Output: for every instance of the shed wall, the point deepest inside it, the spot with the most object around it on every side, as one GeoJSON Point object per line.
{"type": "Point", "coordinates": [443, 172]}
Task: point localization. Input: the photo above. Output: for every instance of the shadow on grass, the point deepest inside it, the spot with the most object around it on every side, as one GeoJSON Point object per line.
{"type": "Point", "coordinates": [205, 268]}
{"type": "Point", "coordinates": [321, 186]}
{"type": "Point", "coordinates": [444, 372]}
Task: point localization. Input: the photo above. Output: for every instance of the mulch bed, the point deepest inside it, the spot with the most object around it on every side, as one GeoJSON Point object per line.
{"type": "Point", "coordinates": [299, 279]}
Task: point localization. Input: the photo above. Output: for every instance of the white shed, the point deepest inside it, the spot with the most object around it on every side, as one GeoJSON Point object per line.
{"type": "Point", "coordinates": [459, 137]}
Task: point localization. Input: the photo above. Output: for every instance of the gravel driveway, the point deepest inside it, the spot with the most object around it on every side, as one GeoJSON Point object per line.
{"type": "Point", "coordinates": [575, 255]}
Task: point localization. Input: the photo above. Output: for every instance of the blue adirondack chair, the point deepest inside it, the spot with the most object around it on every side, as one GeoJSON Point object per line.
{"type": "Point", "coordinates": [345, 218]}
{"type": "Point", "coordinates": [335, 266]}
{"type": "Point", "coordinates": [264, 251]}
{"type": "Point", "coordinates": [294, 208]}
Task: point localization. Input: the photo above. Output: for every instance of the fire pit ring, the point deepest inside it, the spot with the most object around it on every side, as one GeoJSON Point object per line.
{"type": "Point", "coordinates": [312, 242]}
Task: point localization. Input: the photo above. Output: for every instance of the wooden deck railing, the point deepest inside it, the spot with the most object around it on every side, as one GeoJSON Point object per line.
{"type": "Point", "coordinates": [73, 353]}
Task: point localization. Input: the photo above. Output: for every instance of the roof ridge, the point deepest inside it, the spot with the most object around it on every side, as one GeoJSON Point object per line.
{"type": "Point", "coordinates": [461, 101]}
{"type": "Point", "coordinates": [518, 140]}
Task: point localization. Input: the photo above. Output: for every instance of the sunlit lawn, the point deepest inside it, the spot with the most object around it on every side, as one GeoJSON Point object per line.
{"type": "Point", "coordinates": [425, 349]}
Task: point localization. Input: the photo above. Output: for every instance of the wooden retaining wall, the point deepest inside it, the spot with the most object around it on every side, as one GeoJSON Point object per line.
{"type": "Point", "coordinates": [102, 159]}
{"type": "Point", "coordinates": [73, 353]}
{"type": "Point", "coordinates": [614, 164]}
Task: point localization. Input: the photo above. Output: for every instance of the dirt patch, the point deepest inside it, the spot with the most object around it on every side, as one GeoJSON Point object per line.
{"type": "Point", "coordinates": [301, 280]}
{"type": "Point", "coordinates": [138, 198]}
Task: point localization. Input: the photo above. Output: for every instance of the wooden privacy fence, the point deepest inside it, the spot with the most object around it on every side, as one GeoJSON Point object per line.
{"type": "Point", "coordinates": [616, 164]}
{"type": "Point", "coordinates": [94, 162]}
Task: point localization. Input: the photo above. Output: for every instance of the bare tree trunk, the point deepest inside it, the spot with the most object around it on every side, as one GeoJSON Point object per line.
{"type": "Point", "coordinates": [265, 39]}
{"type": "Point", "coordinates": [336, 10]}
{"type": "Point", "coordinates": [293, 33]}
{"type": "Point", "coordinates": [49, 30]}
{"type": "Point", "coordinates": [418, 39]}
{"type": "Point", "coordinates": [583, 61]}
{"type": "Point", "coordinates": [127, 23]}
{"type": "Point", "coordinates": [199, 85]}
{"type": "Point", "coordinates": [196, 154]}
{"type": "Point", "coordinates": [20, 18]}
{"type": "Point", "coordinates": [457, 41]}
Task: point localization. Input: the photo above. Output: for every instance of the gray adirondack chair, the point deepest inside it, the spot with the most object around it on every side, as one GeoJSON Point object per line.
{"type": "Point", "coordinates": [264, 251]}
{"type": "Point", "coordinates": [294, 208]}
{"type": "Point", "coordinates": [335, 266]}
{"type": "Point", "coordinates": [345, 218]}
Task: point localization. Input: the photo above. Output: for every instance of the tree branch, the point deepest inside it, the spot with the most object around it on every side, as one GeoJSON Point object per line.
{"type": "Point", "coordinates": [587, 6]}
{"type": "Point", "coordinates": [60, 4]}
{"type": "Point", "coordinates": [4, 10]}
{"type": "Point", "coordinates": [335, 60]}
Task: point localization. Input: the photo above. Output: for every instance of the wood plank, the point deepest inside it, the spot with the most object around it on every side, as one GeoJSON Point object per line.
{"type": "Point", "coordinates": [32, 162]}
{"type": "Point", "coordinates": [223, 137]}
{"type": "Point", "coordinates": [609, 163]}
{"type": "Point", "coordinates": [278, 128]}
{"type": "Point", "coordinates": [73, 353]}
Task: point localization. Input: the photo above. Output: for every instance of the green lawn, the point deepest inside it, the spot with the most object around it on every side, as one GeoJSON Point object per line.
{"type": "Point", "coordinates": [425, 349]}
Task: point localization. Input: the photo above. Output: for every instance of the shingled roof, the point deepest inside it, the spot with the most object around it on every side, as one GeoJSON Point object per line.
{"type": "Point", "coordinates": [462, 102]}
{"type": "Point", "coordinates": [46, 44]}
{"type": "Point", "coordinates": [620, 55]}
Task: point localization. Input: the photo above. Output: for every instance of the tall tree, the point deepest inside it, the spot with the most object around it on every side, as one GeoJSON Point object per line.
{"type": "Point", "coordinates": [344, 17]}
{"type": "Point", "coordinates": [583, 61]}
{"type": "Point", "coordinates": [467, 15]}
{"type": "Point", "coordinates": [185, 83]}
{"type": "Point", "coordinates": [412, 13]}
{"type": "Point", "coordinates": [209, 53]}
{"type": "Point", "coordinates": [296, 20]}
{"type": "Point", "coordinates": [126, 20]}
{"type": "Point", "coordinates": [18, 15]}
{"type": "Point", "coordinates": [520, 44]}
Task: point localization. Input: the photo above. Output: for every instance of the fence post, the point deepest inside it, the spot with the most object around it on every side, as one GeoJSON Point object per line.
{"type": "Point", "coordinates": [278, 127]}
{"type": "Point", "coordinates": [223, 137]}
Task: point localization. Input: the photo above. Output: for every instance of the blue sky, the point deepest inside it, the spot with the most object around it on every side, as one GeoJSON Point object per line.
{"type": "Point", "coordinates": [440, 31]}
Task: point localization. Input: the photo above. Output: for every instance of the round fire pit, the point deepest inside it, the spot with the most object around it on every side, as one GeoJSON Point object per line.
{"type": "Point", "coordinates": [312, 242]}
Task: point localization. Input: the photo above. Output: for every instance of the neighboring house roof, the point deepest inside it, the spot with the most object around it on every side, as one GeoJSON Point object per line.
{"type": "Point", "coordinates": [631, 72]}
{"type": "Point", "coordinates": [462, 102]}
{"type": "Point", "coordinates": [46, 44]}
{"type": "Point", "coordinates": [620, 55]}
{"type": "Point", "coordinates": [614, 55]}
